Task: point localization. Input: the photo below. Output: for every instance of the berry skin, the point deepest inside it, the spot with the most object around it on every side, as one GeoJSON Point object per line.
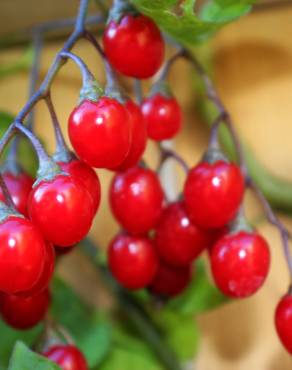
{"type": "Point", "coordinates": [178, 241]}
{"type": "Point", "coordinates": [47, 273]}
{"type": "Point", "coordinates": [170, 281]}
{"type": "Point", "coordinates": [24, 312]}
{"type": "Point", "coordinates": [138, 136]}
{"type": "Point", "coordinates": [22, 254]}
{"type": "Point", "coordinates": [283, 321]}
{"type": "Point", "coordinates": [68, 357]}
{"type": "Point", "coordinates": [163, 117]}
{"type": "Point", "coordinates": [83, 173]}
{"type": "Point", "coordinates": [134, 46]}
{"type": "Point", "coordinates": [213, 193]}
{"type": "Point", "coordinates": [100, 132]}
{"type": "Point", "coordinates": [19, 187]}
{"type": "Point", "coordinates": [136, 199]}
{"type": "Point", "coordinates": [62, 209]}
{"type": "Point", "coordinates": [240, 263]}
{"type": "Point", "coordinates": [132, 260]}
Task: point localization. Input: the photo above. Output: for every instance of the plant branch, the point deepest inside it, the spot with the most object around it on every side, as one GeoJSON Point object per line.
{"type": "Point", "coordinates": [43, 91]}
{"type": "Point", "coordinates": [6, 193]}
{"type": "Point", "coordinates": [214, 97]}
{"type": "Point", "coordinates": [134, 311]}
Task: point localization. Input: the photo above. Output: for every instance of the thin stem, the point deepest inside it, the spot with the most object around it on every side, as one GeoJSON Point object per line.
{"type": "Point", "coordinates": [62, 152]}
{"type": "Point", "coordinates": [168, 65]}
{"type": "Point", "coordinates": [134, 311]}
{"type": "Point", "coordinates": [6, 193]}
{"type": "Point", "coordinates": [34, 72]}
{"type": "Point", "coordinates": [89, 37]}
{"type": "Point", "coordinates": [167, 153]}
{"type": "Point", "coordinates": [87, 76]}
{"type": "Point", "coordinates": [213, 141]}
{"type": "Point", "coordinates": [39, 149]}
{"type": "Point", "coordinates": [138, 90]}
{"type": "Point", "coordinates": [273, 219]}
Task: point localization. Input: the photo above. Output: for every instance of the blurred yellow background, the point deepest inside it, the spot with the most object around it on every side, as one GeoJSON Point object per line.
{"type": "Point", "coordinates": [253, 72]}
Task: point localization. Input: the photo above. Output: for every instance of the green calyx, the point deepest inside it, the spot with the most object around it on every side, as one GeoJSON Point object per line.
{"type": "Point", "coordinates": [121, 8]}
{"type": "Point", "coordinates": [162, 88]}
{"type": "Point", "coordinates": [214, 154]}
{"type": "Point", "coordinates": [91, 90]}
{"type": "Point", "coordinates": [6, 211]}
{"type": "Point", "coordinates": [47, 171]}
{"type": "Point", "coordinates": [240, 223]}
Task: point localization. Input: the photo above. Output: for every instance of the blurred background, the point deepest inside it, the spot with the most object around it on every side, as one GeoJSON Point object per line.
{"type": "Point", "coordinates": [251, 63]}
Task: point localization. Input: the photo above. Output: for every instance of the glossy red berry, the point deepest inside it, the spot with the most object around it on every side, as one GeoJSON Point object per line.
{"type": "Point", "coordinates": [134, 46]}
{"type": "Point", "coordinates": [163, 116]}
{"type": "Point", "coordinates": [136, 199]}
{"type": "Point", "coordinates": [100, 132]}
{"type": "Point", "coordinates": [19, 187]}
{"type": "Point", "coordinates": [240, 263]}
{"type": "Point", "coordinates": [24, 312]}
{"type": "Point", "coordinates": [47, 273]}
{"type": "Point", "coordinates": [83, 173]}
{"type": "Point", "coordinates": [62, 209]}
{"type": "Point", "coordinates": [132, 260]}
{"type": "Point", "coordinates": [283, 321]}
{"type": "Point", "coordinates": [22, 254]}
{"type": "Point", "coordinates": [177, 239]}
{"type": "Point", "coordinates": [213, 193]}
{"type": "Point", "coordinates": [138, 136]}
{"type": "Point", "coordinates": [68, 357]}
{"type": "Point", "coordinates": [170, 280]}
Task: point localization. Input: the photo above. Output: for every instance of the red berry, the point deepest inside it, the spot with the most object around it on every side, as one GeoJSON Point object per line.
{"type": "Point", "coordinates": [179, 241]}
{"type": "Point", "coordinates": [283, 321]}
{"type": "Point", "coordinates": [22, 254]}
{"type": "Point", "coordinates": [24, 312]}
{"type": "Point", "coordinates": [136, 199]}
{"type": "Point", "coordinates": [240, 263]}
{"type": "Point", "coordinates": [132, 260]}
{"type": "Point", "coordinates": [100, 133]}
{"type": "Point", "coordinates": [138, 136]}
{"type": "Point", "coordinates": [134, 46]}
{"type": "Point", "coordinates": [68, 357]}
{"type": "Point", "coordinates": [170, 280]}
{"type": "Point", "coordinates": [163, 116]}
{"type": "Point", "coordinates": [83, 173]}
{"type": "Point", "coordinates": [62, 209]}
{"type": "Point", "coordinates": [46, 275]}
{"type": "Point", "coordinates": [19, 187]}
{"type": "Point", "coordinates": [213, 193]}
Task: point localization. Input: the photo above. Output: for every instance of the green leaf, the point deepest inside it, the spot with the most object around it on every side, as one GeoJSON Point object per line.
{"type": "Point", "coordinates": [124, 359]}
{"type": "Point", "coordinates": [8, 338]}
{"type": "Point", "coordinates": [180, 332]}
{"type": "Point", "coordinates": [214, 12]}
{"type": "Point", "coordinates": [180, 20]}
{"type": "Point", "coordinates": [90, 329]}
{"type": "Point", "coordinates": [200, 295]}
{"type": "Point", "coordinates": [24, 359]}
{"type": "Point", "coordinates": [26, 155]}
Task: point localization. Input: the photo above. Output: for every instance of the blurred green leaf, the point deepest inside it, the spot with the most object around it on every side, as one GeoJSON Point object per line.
{"type": "Point", "coordinates": [180, 332]}
{"type": "Point", "coordinates": [8, 338]}
{"type": "Point", "coordinates": [200, 295]}
{"type": "Point", "coordinates": [24, 359]}
{"type": "Point", "coordinates": [21, 64]}
{"type": "Point", "coordinates": [180, 20]}
{"type": "Point", "coordinates": [90, 329]}
{"type": "Point", "coordinates": [26, 154]}
{"type": "Point", "coordinates": [124, 359]}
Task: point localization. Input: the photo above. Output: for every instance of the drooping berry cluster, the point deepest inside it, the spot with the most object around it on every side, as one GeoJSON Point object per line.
{"type": "Point", "coordinates": [159, 241]}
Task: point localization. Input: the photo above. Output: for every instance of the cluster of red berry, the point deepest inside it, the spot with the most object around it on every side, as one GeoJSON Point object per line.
{"type": "Point", "coordinates": [159, 241]}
